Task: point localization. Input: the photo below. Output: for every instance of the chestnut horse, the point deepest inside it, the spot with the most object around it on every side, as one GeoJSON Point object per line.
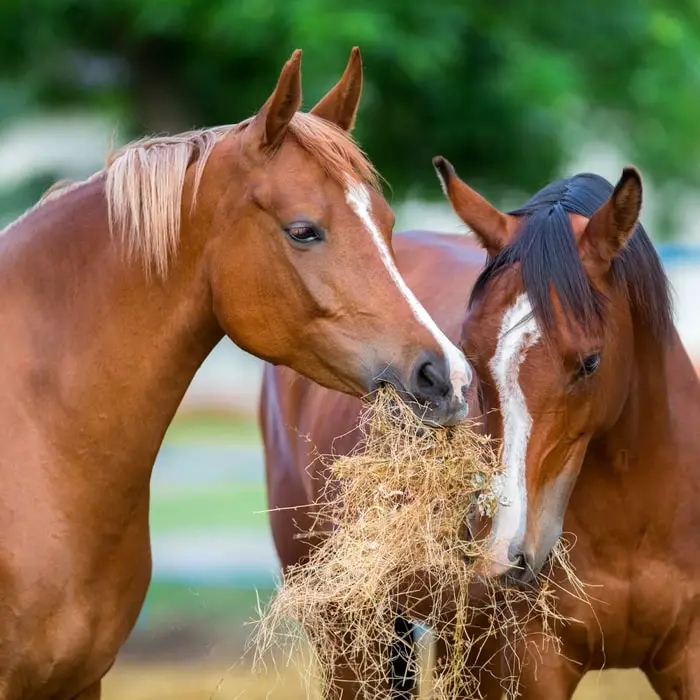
{"type": "Point", "coordinates": [583, 377]}
{"type": "Point", "coordinates": [115, 290]}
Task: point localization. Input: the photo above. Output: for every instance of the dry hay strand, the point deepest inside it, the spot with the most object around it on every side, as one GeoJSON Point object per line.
{"type": "Point", "coordinates": [395, 515]}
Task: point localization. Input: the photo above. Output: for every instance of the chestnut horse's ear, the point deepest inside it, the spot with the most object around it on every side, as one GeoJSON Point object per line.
{"type": "Point", "coordinates": [340, 104]}
{"type": "Point", "coordinates": [491, 227]}
{"type": "Point", "coordinates": [612, 225]}
{"type": "Point", "coordinates": [269, 126]}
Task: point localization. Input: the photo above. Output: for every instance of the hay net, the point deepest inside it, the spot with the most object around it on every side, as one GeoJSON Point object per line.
{"type": "Point", "coordinates": [396, 514]}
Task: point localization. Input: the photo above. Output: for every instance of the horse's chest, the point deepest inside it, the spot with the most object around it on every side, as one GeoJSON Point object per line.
{"type": "Point", "coordinates": [629, 616]}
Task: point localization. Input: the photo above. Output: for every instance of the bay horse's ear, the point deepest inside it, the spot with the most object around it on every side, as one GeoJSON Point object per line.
{"type": "Point", "coordinates": [612, 225]}
{"type": "Point", "coordinates": [340, 104]}
{"type": "Point", "coordinates": [491, 227]}
{"type": "Point", "coordinates": [269, 126]}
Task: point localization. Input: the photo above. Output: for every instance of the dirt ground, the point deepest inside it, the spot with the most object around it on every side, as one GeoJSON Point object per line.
{"type": "Point", "coordinates": [216, 682]}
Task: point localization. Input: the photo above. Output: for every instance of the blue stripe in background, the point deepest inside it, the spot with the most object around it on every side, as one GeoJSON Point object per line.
{"type": "Point", "coordinates": [675, 253]}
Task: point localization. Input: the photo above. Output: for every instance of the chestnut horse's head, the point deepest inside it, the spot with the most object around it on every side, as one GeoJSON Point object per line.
{"type": "Point", "coordinates": [313, 256]}
{"type": "Point", "coordinates": [290, 235]}
{"type": "Point", "coordinates": [571, 288]}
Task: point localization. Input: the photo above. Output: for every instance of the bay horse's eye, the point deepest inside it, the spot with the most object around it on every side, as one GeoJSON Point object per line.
{"type": "Point", "coordinates": [588, 367]}
{"type": "Point", "coordinates": [304, 233]}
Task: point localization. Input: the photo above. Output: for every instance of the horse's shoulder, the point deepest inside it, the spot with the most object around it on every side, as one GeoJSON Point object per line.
{"type": "Point", "coordinates": [301, 419]}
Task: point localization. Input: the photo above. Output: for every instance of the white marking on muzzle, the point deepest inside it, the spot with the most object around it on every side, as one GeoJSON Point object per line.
{"type": "Point", "coordinates": [518, 333]}
{"type": "Point", "coordinates": [358, 198]}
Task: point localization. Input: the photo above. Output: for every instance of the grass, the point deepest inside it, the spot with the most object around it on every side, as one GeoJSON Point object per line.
{"type": "Point", "coordinates": [223, 605]}
{"type": "Point", "coordinates": [216, 682]}
{"type": "Point", "coordinates": [211, 506]}
{"type": "Point", "coordinates": [211, 426]}
{"type": "Point", "coordinates": [239, 504]}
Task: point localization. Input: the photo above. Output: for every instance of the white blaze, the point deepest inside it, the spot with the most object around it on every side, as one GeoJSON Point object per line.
{"type": "Point", "coordinates": [358, 198]}
{"type": "Point", "coordinates": [518, 333]}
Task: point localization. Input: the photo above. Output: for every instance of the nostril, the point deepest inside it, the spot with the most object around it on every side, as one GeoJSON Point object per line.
{"type": "Point", "coordinates": [519, 564]}
{"type": "Point", "coordinates": [521, 567]}
{"type": "Point", "coordinates": [427, 376]}
{"type": "Point", "coordinates": [430, 391]}
{"type": "Point", "coordinates": [430, 381]}
{"type": "Point", "coordinates": [517, 560]}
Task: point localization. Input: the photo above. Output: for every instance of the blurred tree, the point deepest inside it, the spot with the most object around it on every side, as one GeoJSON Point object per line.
{"type": "Point", "coordinates": [506, 90]}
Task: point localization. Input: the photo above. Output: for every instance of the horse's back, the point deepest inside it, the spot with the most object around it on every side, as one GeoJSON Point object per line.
{"type": "Point", "coordinates": [300, 419]}
{"type": "Point", "coordinates": [441, 269]}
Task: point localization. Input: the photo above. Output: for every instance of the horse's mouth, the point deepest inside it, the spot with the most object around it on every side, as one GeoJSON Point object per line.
{"type": "Point", "coordinates": [478, 564]}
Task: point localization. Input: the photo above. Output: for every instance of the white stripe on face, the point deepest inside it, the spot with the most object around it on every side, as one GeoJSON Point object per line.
{"type": "Point", "coordinates": [518, 333]}
{"type": "Point", "coordinates": [358, 198]}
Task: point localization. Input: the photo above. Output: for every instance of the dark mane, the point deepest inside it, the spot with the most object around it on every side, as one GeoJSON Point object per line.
{"type": "Point", "coordinates": [548, 257]}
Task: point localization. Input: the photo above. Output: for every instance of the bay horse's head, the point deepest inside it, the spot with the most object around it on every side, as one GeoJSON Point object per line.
{"type": "Point", "coordinates": [292, 238]}
{"type": "Point", "coordinates": [571, 289]}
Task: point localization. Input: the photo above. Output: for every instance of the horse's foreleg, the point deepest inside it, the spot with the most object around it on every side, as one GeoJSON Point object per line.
{"type": "Point", "coordinates": [358, 678]}
{"type": "Point", "coordinates": [351, 678]}
{"type": "Point", "coordinates": [545, 674]}
{"type": "Point", "coordinates": [477, 676]}
{"type": "Point", "coordinates": [92, 692]}
{"type": "Point", "coordinates": [674, 672]}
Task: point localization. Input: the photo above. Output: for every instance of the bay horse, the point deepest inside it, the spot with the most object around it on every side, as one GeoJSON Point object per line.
{"type": "Point", "coordinates": [272, 232]}
{"type": "Point", "coordinates": [301, 420]}
{"type": "Point", "coordinates": [582, 375]}
{"type": "Point", "coordinates": [570, 330]}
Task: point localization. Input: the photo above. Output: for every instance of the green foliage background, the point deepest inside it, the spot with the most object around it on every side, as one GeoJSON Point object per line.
{"type": "Point", "coordinates": [507, 89]}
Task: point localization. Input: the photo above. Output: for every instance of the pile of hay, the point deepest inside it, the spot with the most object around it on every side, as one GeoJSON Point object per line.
{"type": "Point", "coordinates": [396, 512]}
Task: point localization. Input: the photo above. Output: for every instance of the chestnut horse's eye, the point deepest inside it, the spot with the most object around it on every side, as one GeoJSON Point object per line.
{"type": "Point", "coordinates": [588, 366]}
{"type": "Point", "coordinates": [304, 233]}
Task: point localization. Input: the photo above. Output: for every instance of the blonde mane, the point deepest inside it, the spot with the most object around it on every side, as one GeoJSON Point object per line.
{"type": "Point", "coordinates": [145, 179]}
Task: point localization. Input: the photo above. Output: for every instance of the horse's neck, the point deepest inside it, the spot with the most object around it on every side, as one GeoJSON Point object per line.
{"type": "Point", "coordinates": [646, 464]}
{"type": "Point", "coordinates": [663, 381]}
{"type": "Point", "coordinates": [104, 355]}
